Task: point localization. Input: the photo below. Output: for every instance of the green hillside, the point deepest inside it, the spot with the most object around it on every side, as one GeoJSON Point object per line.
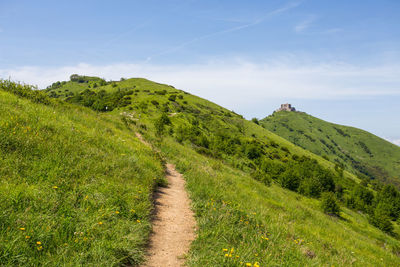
{"type": "Point", "coordinates": [362, 153]}
{"type": "Point", "coordinates": [75, 185]}
{"type": "Point", "coordinates": [256, 196]}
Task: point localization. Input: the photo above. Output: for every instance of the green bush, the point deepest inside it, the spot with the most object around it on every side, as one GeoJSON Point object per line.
{"type": "Point", "coordinates": [172, 98]}
{"type": "Point", "coordinates": [329, 204]}
{"type": "Point", "coordinates": [381, 217]}
{"type": "Point", "coordinates": [255, 120]}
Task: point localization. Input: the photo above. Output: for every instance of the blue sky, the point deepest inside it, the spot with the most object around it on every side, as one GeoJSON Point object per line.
{"type": "Point", "coordinates": [337, 60]}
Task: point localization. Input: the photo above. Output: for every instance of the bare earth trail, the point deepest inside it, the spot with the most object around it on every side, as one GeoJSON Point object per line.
{"type": "Point", "coordinates": [173, 223]}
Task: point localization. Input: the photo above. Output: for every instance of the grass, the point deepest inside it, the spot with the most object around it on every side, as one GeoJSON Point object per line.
{"type": "Point", "coordinates": [363, 153]}
{"type": "Point", "coordinates": [75, 187]}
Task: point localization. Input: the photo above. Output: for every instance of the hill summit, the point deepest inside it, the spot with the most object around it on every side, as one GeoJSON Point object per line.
{"type": "Point", "coordinates": [286, 107]}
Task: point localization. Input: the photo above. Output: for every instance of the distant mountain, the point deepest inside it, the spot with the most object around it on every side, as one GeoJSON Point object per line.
{"type": "Point", "coordinates": [361, 152]}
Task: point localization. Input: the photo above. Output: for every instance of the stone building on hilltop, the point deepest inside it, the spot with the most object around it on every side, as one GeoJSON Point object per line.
{"type": "Point", "coordinates": [286, 107]}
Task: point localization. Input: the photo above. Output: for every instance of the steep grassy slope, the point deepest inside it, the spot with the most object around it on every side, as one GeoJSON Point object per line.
{"type": "Point", "coordinates": [75, 185]}
{"type": "Point", "coordinates": [361, 152]}
{"type": "Point", "coordinates": [228, 163]}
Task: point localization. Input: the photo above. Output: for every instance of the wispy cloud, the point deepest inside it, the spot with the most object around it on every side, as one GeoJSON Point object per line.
{"type": "Point", "coordinates": [305, 24]}
{"type": "Point", "coordinates": [332, 30]}
{"type": "Point", "coordinates": [257, 21]}
{"type": "Point", "coordinates": [244, 82]}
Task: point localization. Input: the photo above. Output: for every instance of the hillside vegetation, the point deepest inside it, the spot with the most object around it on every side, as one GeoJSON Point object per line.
{"type": "Point", "coordinates": [75, 185]}
{"type": "Point", "coordinates": [256, 196]}
{"type": "Point", "coordinates": [358, 151]}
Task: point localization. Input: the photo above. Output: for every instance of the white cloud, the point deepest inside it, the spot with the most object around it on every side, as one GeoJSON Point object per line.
{"type": "Point", "coordinates": [238, 82]}
{"type": "Point", "coordinates": [305, 24]}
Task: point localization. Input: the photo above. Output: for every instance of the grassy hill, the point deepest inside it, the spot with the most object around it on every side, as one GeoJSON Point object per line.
{"type": "Point", "coordinates": [256, 196]}
{"type": "Point", "coordinates": [362, 153]}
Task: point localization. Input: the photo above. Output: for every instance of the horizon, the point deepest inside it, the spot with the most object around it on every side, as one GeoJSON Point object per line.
{"type": "Point", "coordinates": [336, 61]}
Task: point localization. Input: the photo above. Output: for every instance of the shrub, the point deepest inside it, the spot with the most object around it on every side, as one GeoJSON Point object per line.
{"type": "Point", "coordinates": [381, 219]}
{"type": "Point", "coordinates": [290, 179]}
{"type": "Point", "coordinates": [329, 204]}
{"type": "Point", "coordinates": [155, 103]}
{"type": "Point", "coordinates": [160, 123]}
{"type": "Point", "coordinates": [255, 120]}
{"type": "Point", "coordinates": [172, 98]}
{"type": "Point", "coordinates": [262, 177]}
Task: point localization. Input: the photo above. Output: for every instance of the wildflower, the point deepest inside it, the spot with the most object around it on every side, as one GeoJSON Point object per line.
{"type": "Point", "coordinates": [86, 197]}
{"type": "Point", "coordinates": [55, 187]}
{"type": "Point", "coordinates": [225, 249]}
{"type": "Point", "coordinates": [256, 264]}
{"type": "Point", "coordinates": [226, 255]}
{"type": "Point", "coordinates": [117, 212]}
{"type": "Point", "coordinates": [138, 221]}
{"type": "Point", "coordinates": [27, 237]}
{"type": "Point", "coordinates": [39, 248]}
{"type": "Point", "coordinates": [100, 223]}
{"type": "Point", "coordinates": [22, 229]}
{"type": "Point", "coordinates": [248, 264]}
{"type": "Point", "coordinates": [38, 243]}
{"type": "Point", "coordinates": [132, 210]}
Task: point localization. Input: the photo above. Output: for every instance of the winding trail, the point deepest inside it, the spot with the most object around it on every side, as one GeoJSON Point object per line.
{"type": "Point", "coordinates": [173, 223]}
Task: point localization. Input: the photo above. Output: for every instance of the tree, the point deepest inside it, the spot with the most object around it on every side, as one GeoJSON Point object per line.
{"type": "Point", "coordinates": [329, 204]}
{"type": "Point", "coordinates": [255, 120]}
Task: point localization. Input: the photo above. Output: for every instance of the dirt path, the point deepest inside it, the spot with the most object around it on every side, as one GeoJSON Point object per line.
{"type": "Point", "coordinates": [173, 224]}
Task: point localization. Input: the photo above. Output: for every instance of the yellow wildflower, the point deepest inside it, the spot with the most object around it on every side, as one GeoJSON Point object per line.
{"type": "Point", "coordinates": [138, 221]}
{"type": "Point", "coordinates": [27, 237]}
{"type": "Point", "coordinates": [226, 255]}
{"type": "Point", "coordinates": [248, 264]}
{"type": "Point", "coordinates": [38, 243]}
{"type": "Point", "coordinates": [22, 229]}
{"type": "Point", "coordinates": [117, 212]}
{"type": "Point", "coordinates": [39, 248]}
{"type": "Point", "coordinates": [55, 187]}
{"type": "Point", "coordinates": [100, 223]}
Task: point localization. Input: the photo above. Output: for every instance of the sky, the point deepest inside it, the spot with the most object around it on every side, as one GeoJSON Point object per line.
{"type": "Point", "coordinates": [336, 60]}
